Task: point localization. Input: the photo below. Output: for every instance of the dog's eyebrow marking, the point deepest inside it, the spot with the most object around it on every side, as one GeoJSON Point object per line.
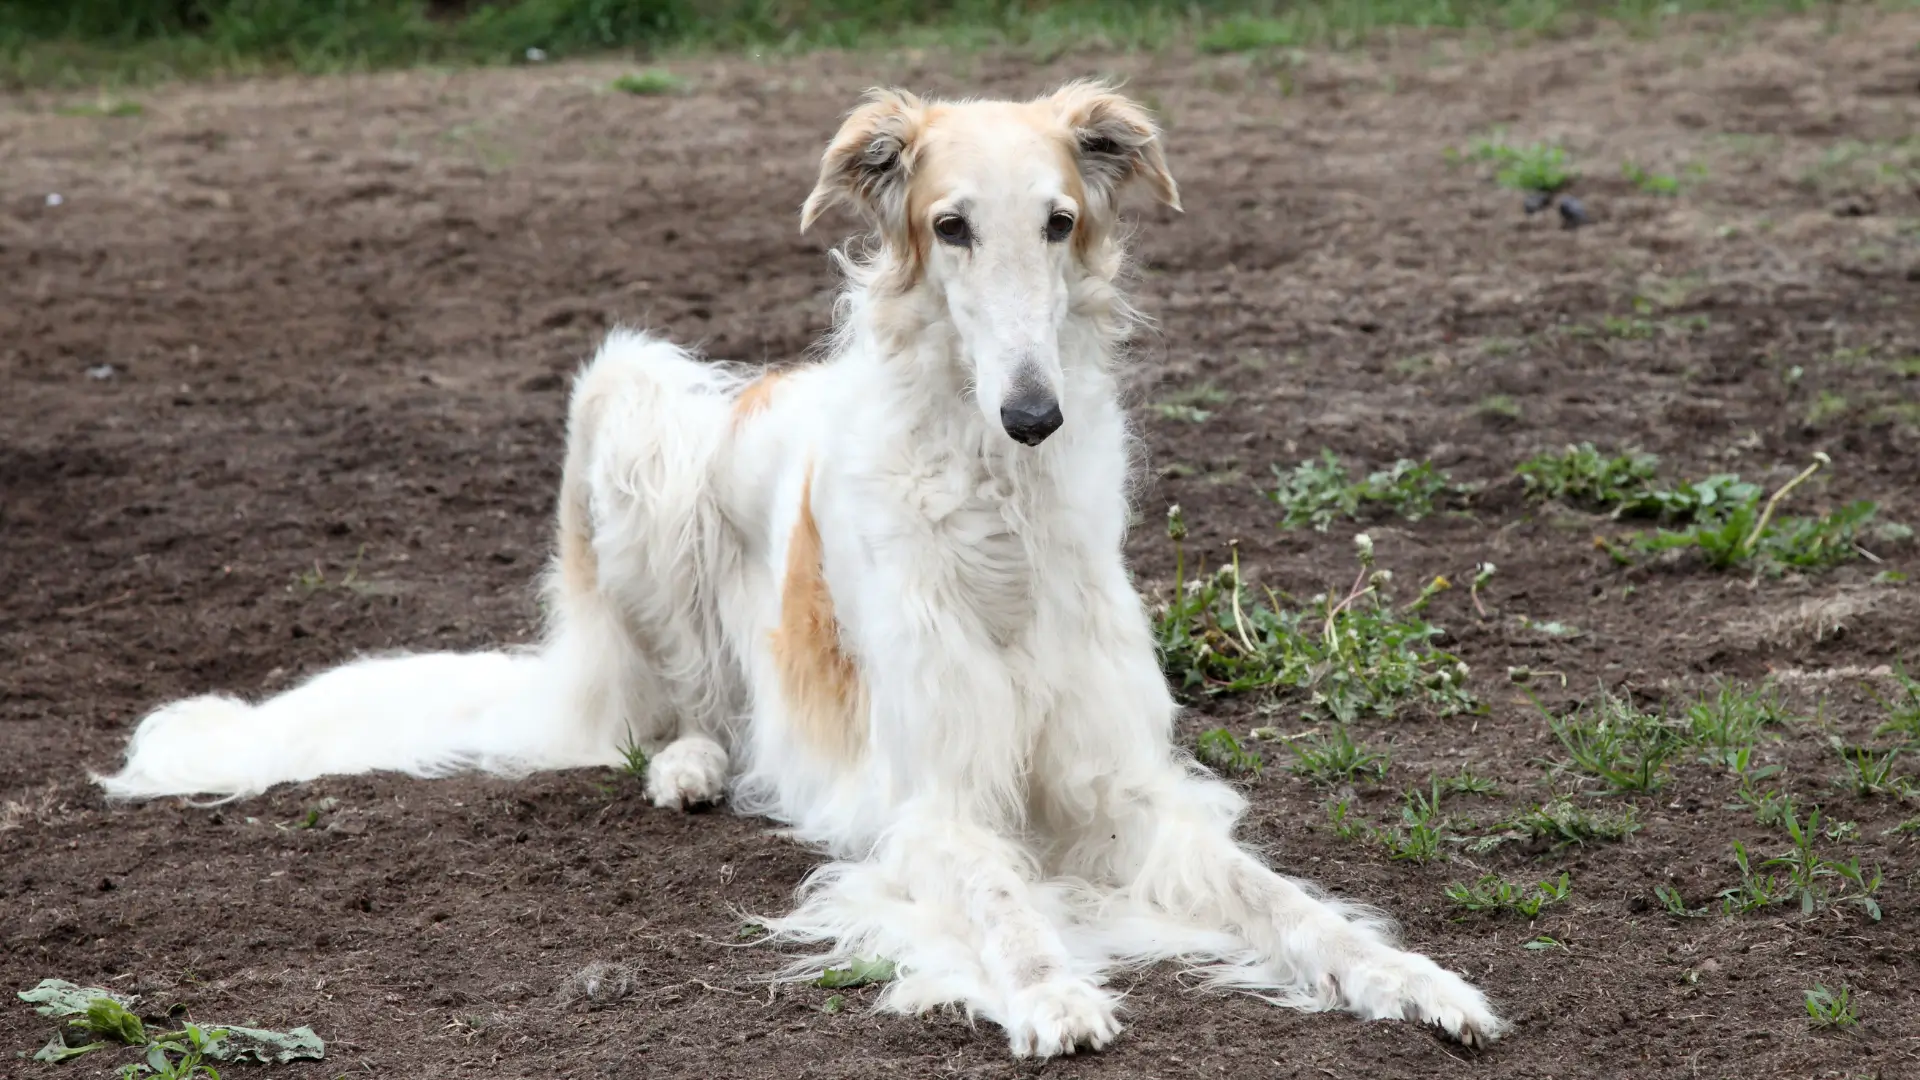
{"type": "Point", "coordinates": [820, 685]}
{"type": "Point", "coordinates": [755, 397]}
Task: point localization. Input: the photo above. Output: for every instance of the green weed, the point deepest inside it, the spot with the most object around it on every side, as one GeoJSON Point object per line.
{"type": "Point", "coordinates": [1903, 708]}
{"type": "Point", "coordinates": [1354, 654]}
{"type": "Point", "coordinates": [860, 972]}
{"type": "Point", "coordinates": [1830, 1009]}
{"type": "Point", "coordinates": [1650, 182]}
{"type": "Point", "coordinates": [1422, 827]}
{"type": "Point", "coordinates": [1869, 773]}
{"type": "Point", "coordinates": [633, 758]}
{"type": "Point", "coordinates": [1335, 758]}
{"type": "Point", "coordinates": [1315, 492]}
{"type": "Point", "coordinates": [1495, 893]}
{"type": "Point", "coordinates": [1499, 406]}
{"type": "Point", "coordinates": [650, 83]}
{"type": "Point", "coordinates": [1468, 782]}
{"type": "Point", "coordinates": [1582, 475]}
{"type": "Point", "coordinates": [1611, 740]}
{"type": "Point", "coordinates": [1561, 824]}
{"type": "Point", "coordinates": [1526, 167]}
{"type": "Point", "coordinates": [1220, 751]}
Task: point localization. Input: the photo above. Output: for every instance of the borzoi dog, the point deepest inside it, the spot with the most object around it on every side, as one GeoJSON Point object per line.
{"type": "Point", "coordinates": [881, 599]}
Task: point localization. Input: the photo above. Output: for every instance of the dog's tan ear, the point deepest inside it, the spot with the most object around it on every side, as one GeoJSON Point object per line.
{"type": "Point", "coordinates": [1115, 141]}
{"type": "Point", "coordinates": [867, 163]}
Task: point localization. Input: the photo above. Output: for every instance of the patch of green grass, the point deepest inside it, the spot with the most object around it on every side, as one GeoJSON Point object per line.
{"type": "Point", "coordinates": [1730, 524]}
{"type": "Point", "coordinates": [1830, 1009]}
{"type": "Point", "coordinates": [92, 41]}
{"type": "Point", "coordinates": [1801, 875]}
{"type": "Point", "coordinates": [1582, 475]}
{"type": "Point", "coordinates": [1354, 654]}
{"type": "Point", "coordinates": [1523, 167]}
{"type": "Point", "coordinates": [1422, 827]}
{"type": "Point", "coordinates": [1903, 708]}
{"type": "Point", "coordinates": [1827, 407]}
{"type": "Point", "coordinates": [650, 83]}
{"type": "Point", "coordinates": [103, 108]}
{"type": "Point", "coordinates": [1734, 716]}
{"type": "Point", "coordinates": [1334, 758]}
{"type": "Point", "coordinates": [1615, 742]}
{"type": "Point", "coordinates": [1857, 163]}
{"type": "Point", "coordinates": [1495, 893]}
{"type": "Point", "coordinates": [1560, 824]}
{"type": "Point", "coordinates": [1499, 406]}
{"type": "Point", "coordinates": [1247, 33]}
{"type": "Point", "coordinates": [1468, 782]}
{"type": "Point", "coordinates": [1317, 491]}
{"type": "Point", "coordinates": [1652, 183]}
{"type": "Point", "coordinates": [1869, 773]}
{"type": "Point", "coordinates": [1221, 752]}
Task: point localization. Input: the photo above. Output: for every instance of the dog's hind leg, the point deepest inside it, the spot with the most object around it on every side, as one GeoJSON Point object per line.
{"type": "Point", "coordinates": [634, 632]}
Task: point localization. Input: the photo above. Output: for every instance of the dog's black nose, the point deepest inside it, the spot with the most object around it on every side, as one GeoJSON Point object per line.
{"type": "Point", "coordinates": [1031, 417]}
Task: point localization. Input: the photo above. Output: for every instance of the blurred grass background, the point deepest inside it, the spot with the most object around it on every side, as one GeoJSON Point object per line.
{"type": "Point", "coordinates": [84, 42]}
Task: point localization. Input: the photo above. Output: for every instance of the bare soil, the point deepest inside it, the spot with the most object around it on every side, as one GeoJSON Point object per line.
{"type": "Point", "coordinates": [340, 314]}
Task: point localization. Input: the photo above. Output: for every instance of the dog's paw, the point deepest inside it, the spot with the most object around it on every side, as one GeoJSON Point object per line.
{"type": "Point", "coordinates": [1060, 1016]}
{"type": "Point", "coordinates": [1413, 987]}
{"type": "Point", "coordinates": [1457, 1008]}
{"type": "Point", "coordinates": [688, 772]}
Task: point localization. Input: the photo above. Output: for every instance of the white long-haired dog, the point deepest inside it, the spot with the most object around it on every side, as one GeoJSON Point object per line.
{"type": "Point", "coordinates": [881, 599]}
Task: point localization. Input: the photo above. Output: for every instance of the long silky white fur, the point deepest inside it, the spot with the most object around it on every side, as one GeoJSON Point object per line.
{"type": "Point", "coordinates": [1020, 821]}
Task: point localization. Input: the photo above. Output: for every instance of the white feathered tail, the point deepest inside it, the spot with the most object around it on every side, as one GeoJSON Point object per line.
{"type": "Point", "coordinates": [645, 421]}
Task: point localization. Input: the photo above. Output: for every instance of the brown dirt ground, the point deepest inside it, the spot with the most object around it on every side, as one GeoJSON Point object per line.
{"type": "Point", "coordinates": [340, 313]}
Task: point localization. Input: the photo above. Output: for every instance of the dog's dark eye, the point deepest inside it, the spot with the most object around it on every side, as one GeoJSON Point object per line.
{"type": "Point", "coordinates": [952, 229]}
{"type": "Point", "coordinates": [1059, 226]}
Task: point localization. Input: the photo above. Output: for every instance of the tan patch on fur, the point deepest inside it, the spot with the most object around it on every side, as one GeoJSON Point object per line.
{"type": "Point", "coordinates": [825, 698]}
{"type": "Point", "coordinates": [757, 396]}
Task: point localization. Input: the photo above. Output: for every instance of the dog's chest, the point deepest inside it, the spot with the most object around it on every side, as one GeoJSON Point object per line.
{"type": "Point", "coordinates": [983, 560]}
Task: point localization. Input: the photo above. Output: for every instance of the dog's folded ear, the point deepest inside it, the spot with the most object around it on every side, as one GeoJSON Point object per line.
{"type": "Point", "coordinates": [867, 163]}
{"type": "Point", "coordinates": [1115, 141]}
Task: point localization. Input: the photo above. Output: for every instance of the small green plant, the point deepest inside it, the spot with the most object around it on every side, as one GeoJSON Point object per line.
{"type": "Point", "coordinates": [1734, 716]}
{"type": "Point", "coordinates": [1528, 167]}
{"type": "Point", "coordinates": [834, 1003]}
{"type": "Point", "coordinates": [1903, 708]}
{"type": "Point", "coordinates": [1345, 826]}
{"type": "Point", "coordinates": [1582, 475]}
{"type": "Point", "coordinates": [1331, 758]}
{"type": "Point", "coordinates": [1495, 893]}
{"type": "Point", "coordinates": [1220, 751]}
{"type": "Point", "coordinates": [860, 972]}
{"type": "Point", "coordinates": [1611, 740]}
{"type": "Point", "coordinates": [1316, 492]}
{"type": "Point", "coordinates": [633, 757]}
{"type": "Point", "coordinates": [1803, 876]}
{"type": "Point", "coordinates": [1561, 824]}
{"type": "Point", "coordinates": [1739, 530]}
{"type": "Point", "coordinates": [1769, 807]}
{"type": "Point", "coordinates": [1499, 407]}
{"type": "Point", "coordinates": [1354, 654]}
{"type": "Point", "coordinates": [1870, 773]}
{"type": "Point", "coordinates": [1830, 1009]}
{"type": "Point", "coordinates": [1650, 182]}
{"type": "Point", "coordinates": [650, 83]}
{"type": "Point", "coordinates": [1468, 782]}
{"type": "Point", "coordinates": [1671, 899]}
{"type": "Point", "coordinates": [1186, 414]}
{"type": "Point", "coordinates": [190, 1043]}
{"type": "Point", "coordinates": [1422, 827]}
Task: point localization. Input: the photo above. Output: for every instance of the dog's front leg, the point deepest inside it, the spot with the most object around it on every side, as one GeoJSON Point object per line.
{"type": "Point", "coordinates": [1132, 812]}
{"type": "Point", "coordinates": [954, 865]}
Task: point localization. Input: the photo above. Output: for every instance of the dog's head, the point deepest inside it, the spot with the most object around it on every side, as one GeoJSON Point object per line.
{"type": "Point", "coordinates": [998, 208]}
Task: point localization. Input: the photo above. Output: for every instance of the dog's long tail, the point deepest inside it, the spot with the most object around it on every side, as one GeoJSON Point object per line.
{"type": "Point", "coordinates": [645, 422]}
{"type": "Point", "coordinates": [426, 715]}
